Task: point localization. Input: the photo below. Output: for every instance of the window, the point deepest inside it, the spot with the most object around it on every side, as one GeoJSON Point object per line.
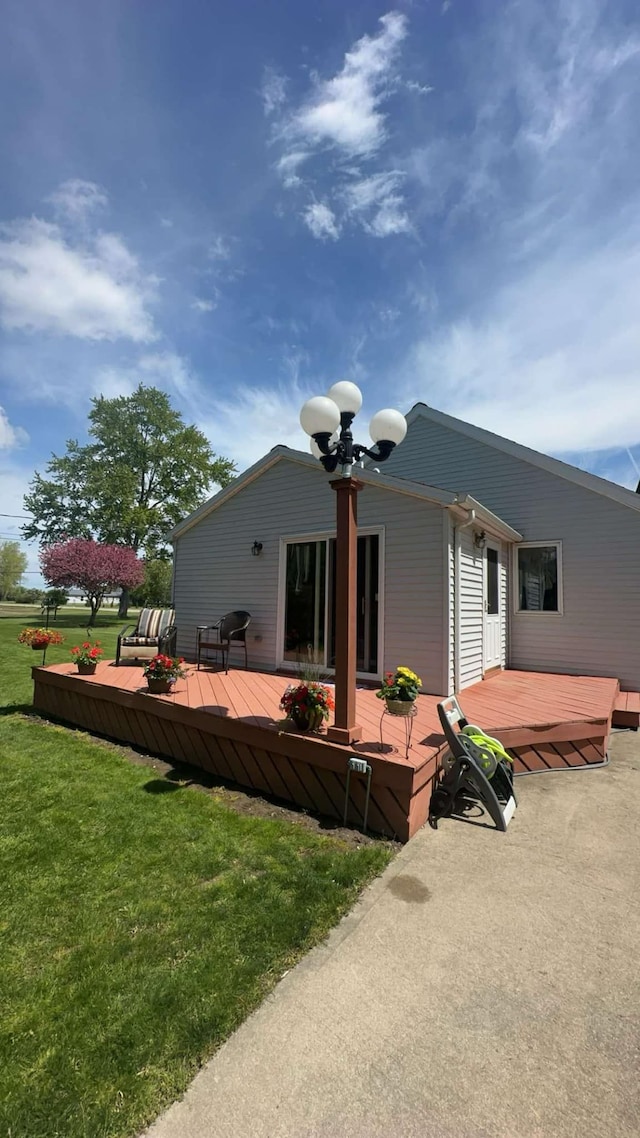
{"type": "Point", "coordinates": [539, 577]}
{"type": "Point", "coordinates": [493, 583]}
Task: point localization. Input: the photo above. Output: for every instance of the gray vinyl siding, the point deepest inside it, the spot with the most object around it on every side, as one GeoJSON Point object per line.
{"type": "Point", "coordinates": [471, 610]}
{"type": "Point", "coordinates": [215, 571]}
{"type": "Point", "coordinates": [599, 631]}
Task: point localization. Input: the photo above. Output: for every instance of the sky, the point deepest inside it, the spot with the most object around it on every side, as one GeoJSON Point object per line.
{"type": "Point", "coordinates": [243, 203]}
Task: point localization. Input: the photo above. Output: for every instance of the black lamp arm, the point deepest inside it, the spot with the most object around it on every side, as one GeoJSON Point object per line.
{"type": "Point", "coordinates": [344, 451]}
{"type": "Point", "coordinates": [380, 454]}
{"type": "Point", "coordinates": [322, 440]}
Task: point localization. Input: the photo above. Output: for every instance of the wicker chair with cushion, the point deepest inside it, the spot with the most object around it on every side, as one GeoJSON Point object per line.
{"type": "Point", "coordinates": [155, 632]}
{"type": "Point", "coordinates": [230, 629]}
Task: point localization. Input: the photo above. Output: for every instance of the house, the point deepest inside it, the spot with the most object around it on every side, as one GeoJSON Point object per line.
{"type": "Point", "coordinates": [474, 554]}
{"type": "Point", "coordinates": [78, 597]}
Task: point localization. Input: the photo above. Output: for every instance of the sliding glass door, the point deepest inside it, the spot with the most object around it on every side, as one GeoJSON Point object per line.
{"type": "Point", "coordinates": [305, 602]}
{"type": "Point", "coordinates": [309, 602]}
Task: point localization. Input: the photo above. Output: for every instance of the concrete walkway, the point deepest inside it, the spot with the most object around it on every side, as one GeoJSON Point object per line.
{"type": "Point", "coordinates": [486, 985]}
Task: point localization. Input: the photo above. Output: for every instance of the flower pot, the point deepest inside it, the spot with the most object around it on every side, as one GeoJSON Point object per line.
{"type": "Point", "coordinates": [307, 721]}
{"type": "Point", "coordinates": [39, 645]}
{"type": "Point", "coordinates": [86, 669]}
{"type": "Point", "coordinates": [159, 686]}
{"type": "Point", "coordinates": [400, 706]}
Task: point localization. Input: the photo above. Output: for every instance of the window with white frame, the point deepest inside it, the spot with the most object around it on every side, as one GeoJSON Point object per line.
{"type": "Point", "coordinates": [539, 577]}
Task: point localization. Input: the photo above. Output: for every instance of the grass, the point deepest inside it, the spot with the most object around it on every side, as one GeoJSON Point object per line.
{"type": "Point", "coordinates": [139, 922]}
{"type": "Point", "coordinates": [16, 687]}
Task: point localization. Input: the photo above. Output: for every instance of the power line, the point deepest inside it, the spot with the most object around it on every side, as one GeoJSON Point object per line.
{"type": "Point", "coordinates": [25, 517]}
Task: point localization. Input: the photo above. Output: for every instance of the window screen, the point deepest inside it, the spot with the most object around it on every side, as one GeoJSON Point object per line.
{"type": "Point", "coordinates": [538, 578]}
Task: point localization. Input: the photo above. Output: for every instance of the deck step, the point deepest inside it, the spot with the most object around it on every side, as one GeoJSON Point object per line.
{"type": "Point", "coordinates": [626, 709]}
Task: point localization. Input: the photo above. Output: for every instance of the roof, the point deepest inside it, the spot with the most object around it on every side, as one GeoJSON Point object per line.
{"type": "Point", "coordinates": [543, 461]}
{"type": "Point", "coordinates": [447, 499]}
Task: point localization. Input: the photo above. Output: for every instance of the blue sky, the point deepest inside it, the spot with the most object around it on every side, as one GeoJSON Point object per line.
{"type": "Point", "coordinates": [242, 203]}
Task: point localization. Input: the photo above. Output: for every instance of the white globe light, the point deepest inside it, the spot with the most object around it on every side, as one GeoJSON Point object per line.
{"type": "Point", "coordinates": [388, 426]}
{"type": "Point", "coordinates": [315, 449]}
{"type": "Point", "coordinates": [318, 415]}
{"type": "Point", "coordinates": [346, 395]}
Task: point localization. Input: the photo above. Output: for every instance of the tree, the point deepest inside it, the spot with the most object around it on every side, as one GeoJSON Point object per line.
{"type": "Point", "coordinates": [13, 563]}
{"type": "Point", "coordinates": [142, 472]}
{"type": "Point", "coordinates": [155, 590]}
{"type": "Point", "coordinates": [22, 596]}
{"type": "Point", "coordinates": [93, 567]}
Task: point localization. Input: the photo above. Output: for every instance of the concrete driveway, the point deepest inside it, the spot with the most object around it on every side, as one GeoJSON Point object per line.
{"type": "Point", "coordinates": [485, 985]}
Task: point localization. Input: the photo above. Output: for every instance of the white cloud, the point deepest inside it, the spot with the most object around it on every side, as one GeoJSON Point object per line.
{"type": "Point", "coordinates": [345, 111]}
{"type": "Point", "coordinates": [273, 90]}
{"type": "Point", "coordinates": [164, 369]}
{"type": "Point", "coordinates": [77, 199]}
{"type": "Point", "coordinates": [554, 360]}
{"type": "Point", "coordinates": [345, 114]}
{"type": "Point", "coordinates": [287, 167]}
{"type": "Point", "coordinates": [376, 202]}
{"type": "Point", "coordinates": [219, 248]}
{"type": "Point", "coordinates": [258, 419]}
{"type": "Point", "coordinates": [90, 289]}
{"type": "Point", "coordinates": [10, 436]}
{"type": "Point", "coordinates": [242, 427]}
{"type": "Point", "coordinates": [321, 221]}
{"type": "Point", "coordinates": [557, 99]}
{"type": "Point", "coordinates": [419, 88]}
{"type": "Point", "coordinates": [200, 305]}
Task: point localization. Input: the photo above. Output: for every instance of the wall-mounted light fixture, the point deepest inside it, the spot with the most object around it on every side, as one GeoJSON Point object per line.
{"type": "Point", "coordinates": [480, 539]}
{"type": "Point", "coordinates": [256, 548]}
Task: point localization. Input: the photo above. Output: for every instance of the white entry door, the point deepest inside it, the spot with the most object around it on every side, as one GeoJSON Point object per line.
{"type": "Point", "coordinates": [492, 615]}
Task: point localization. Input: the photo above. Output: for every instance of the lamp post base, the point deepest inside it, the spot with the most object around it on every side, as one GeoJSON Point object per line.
{"type": "Point", "coordinates": [344, 735]}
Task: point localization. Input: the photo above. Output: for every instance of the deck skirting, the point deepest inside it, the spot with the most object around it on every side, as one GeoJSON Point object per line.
{"type": "Point", "coordinates": [294, 768]}
{"type": "Point", "coordinates": [231, 727]}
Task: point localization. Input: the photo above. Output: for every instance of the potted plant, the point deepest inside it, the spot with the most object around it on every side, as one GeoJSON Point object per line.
{"type": "Point", "coordinates": [39, 638]}
{"type": "Point", "coordinates": [87, 657]}
{"type": "Point", "coordinates": [162, 673]}
{"type": "Point", "coordinates": [399, 690]}
{"type": "Point", "coordinates": [307, 704]}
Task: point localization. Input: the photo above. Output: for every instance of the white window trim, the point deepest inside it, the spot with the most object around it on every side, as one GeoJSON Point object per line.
{"type": "Point", "coordinates": [325, 535]}
{"type": "Point", "coordinates": [516, 579]}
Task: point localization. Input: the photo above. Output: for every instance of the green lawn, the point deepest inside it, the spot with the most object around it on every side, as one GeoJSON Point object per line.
{"type": "Point", "coordinates": [139, 921]}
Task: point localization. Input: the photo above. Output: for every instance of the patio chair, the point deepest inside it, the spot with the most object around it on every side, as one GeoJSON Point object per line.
{"type": "Point", "coordinates": [219, 637]}
{"type": "Point", "coordinates": [155, 632]}
{"type": "Point", "coordinates": [477, 770]}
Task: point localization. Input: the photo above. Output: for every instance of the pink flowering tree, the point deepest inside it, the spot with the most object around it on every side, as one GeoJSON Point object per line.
{"type": "Point", "coordinates": [92, 566]}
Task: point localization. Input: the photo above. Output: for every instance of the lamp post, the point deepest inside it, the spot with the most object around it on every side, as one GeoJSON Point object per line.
{"type": "Point", "coordinates": [328, 419]}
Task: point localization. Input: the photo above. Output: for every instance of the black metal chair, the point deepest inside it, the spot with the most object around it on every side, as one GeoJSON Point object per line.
{"type": "Point", "coordinates": [230, 629]}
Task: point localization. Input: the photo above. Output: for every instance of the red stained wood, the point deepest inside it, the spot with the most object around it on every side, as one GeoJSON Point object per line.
{"type": "Point", "coordinates": [232, 726]}
{"type": "Point", "coordinates": [626, 709]}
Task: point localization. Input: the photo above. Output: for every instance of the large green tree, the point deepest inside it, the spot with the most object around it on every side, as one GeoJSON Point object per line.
{"type": "Point", "coordinates": [13, 563]}
{"type": "Point", "coordinates": [142, 470]}
{"type": "Point", "coordinates": [155, 590]}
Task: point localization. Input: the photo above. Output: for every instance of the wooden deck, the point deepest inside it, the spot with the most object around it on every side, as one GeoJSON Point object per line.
{"type": "Point", "coordinates": [232, 727]}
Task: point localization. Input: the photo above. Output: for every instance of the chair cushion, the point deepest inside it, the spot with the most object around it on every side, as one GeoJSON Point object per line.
{"type": "Point", "coordinates": [142, 641]}
{"type": "Point", "coordinates": [138, 651]}
{"type": "Point", "coordinates": [154, 622]}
